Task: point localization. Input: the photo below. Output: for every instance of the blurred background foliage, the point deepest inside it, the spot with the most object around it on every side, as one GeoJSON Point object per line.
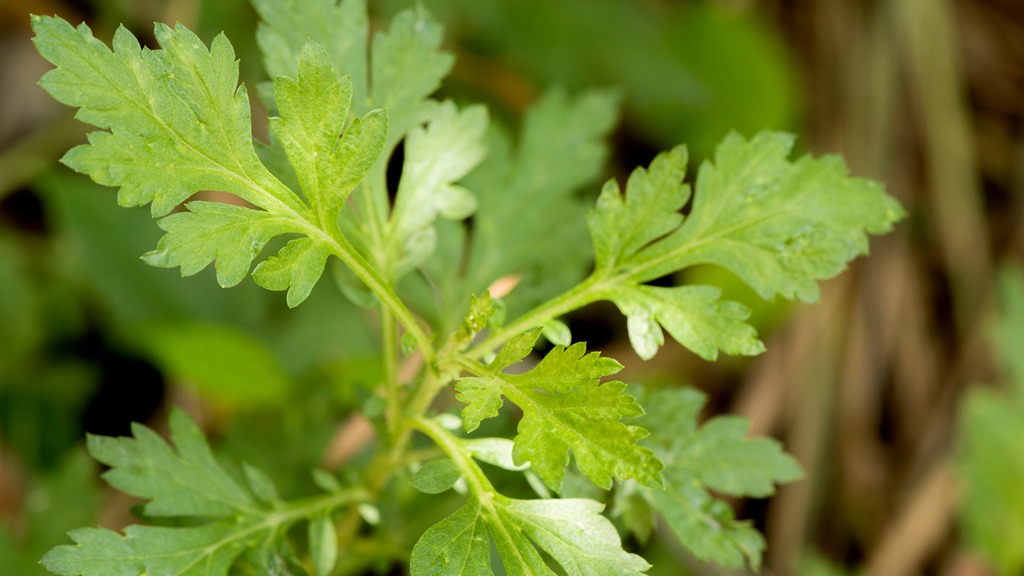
{"type": "Point", "coordinates": [901, 393]}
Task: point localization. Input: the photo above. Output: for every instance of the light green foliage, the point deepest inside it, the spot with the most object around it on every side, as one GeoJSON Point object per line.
{"type": "Point", "coordinates": [436, 476]}
{"type": "Point", "coordinates": [565, 407]}
{"type": "Point", "coordinates": [716, 456]}
{"type": "Point", "coordinates": [185, 482]}
{"type": "Point", "coordinates": [436, 156]}
{"type": "Point", "coordinates": [571, 530]}
{"type": "Point", "coordinates": [991, 454]}
{"type": "Point", "coordinates": [179, 124]}
{"type": "Point", "coordinates": [327, 168]}
{"type": "Point", "coordinates": [174, 121]}
{"type": "Point", "coordinates": [778, 225]}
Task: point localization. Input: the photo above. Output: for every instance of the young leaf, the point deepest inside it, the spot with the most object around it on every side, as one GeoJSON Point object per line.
{"type": "Point", "coordinates": [436, 476]}
{"type": "Point", "coordinates": [719, 457]}
{"type": "Point", "coordinates": [323, 544]}
{"type": "Point", "coordinates": [565, 407]}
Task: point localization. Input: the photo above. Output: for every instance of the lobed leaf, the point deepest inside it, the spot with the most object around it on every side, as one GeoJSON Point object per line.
{"type": "Point", "coordinates": [187, 481]}
{"type": "Point", "coordinates": [341, 28]}
{"type": "Point", "coordinates": [621, 226]}
{"type": "Point", "coordinates": [546, 246]}
{"type": "Point", "coordinates": [779, 225]}
{"type": "Point", "coordinates": [436, 156]}
{"type": "Point", "coordinates": [455, 546]}
{"type": "Point", "coordinates": [178, 121]}
{"type": "Point", "coordinates": [328, 159]}
{"type": "Point", "coordinates": [565, 407]}
{"type": "Point", "coordinates": [719, 457]}
{"type": "Point", "coordinates": [693, 315]}
{"type": "Point", "coordinates": [571, 531]}
{"type": "Point", "coordinates": [211, 232]}
{"type": "Point", "coordinates": [296, 268]}
{"type": "Point", "coordinates": [220, 518]}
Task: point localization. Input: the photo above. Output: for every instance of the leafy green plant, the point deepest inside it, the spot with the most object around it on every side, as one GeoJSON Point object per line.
{"type": "Point", "coordinates": [472, 210]}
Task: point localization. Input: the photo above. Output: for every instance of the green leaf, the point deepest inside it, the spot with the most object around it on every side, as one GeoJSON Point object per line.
{"type": "Point", "coordinates": [436, 476]}
{"type": "Point", "coordinates": [221, 518]}
{"type": "Point", "coordinates": [693, 315]}
{"type": "Point", "coordinates": [207, 550]}
{"type": "Point", "coordinates": [231, 236]}
{"type": "Point", "coordinates": [314, 110]}
{"type": "Point", "coordinates": [178, 121]}
{"type": "Point", "coordinates": [407, 67]}
{"type": "Point", "coordinates": [622, 226]}
{"type": "Point", "coordinates": [323, 545]}
{"type": "Point", "coordinates": [405, 63]}
{"type": "Point", "coordinates": [341, 28]}
{"type": "Point", "coordinates": [557, 332]}
{"type": "Point", "coordinates": [719, 457]}
{"type": "Point", "coordinates": [481, 310]}
{"type": "Point", "coordinates": [565, 407]}
{"type": "Point", "coordinates": [186, 482]}
{"type": "Point", "coordinates": [992, 464]}
{"type": "Point", "coordinates": [706, 526]}
{"type": "Point", "coordinates": [494, 451]}
{"type": "Point", "coordinates": [455, 546]}
{"type": "Point", "coordinates": [780, 226]}
{"type": "Point", "coordinates": [990, 455]}
{"type": "Point", "coordinates": [575, 534]}
{"type": "Point", "coordinates": [571, 531]}
{"type": "Point", "coordinates": [296, 268]}
{"type": "Point", "coordinates": [436, 156]}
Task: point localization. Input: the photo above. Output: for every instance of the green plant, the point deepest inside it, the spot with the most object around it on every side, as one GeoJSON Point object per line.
{"type": "Point", "coordinates": [174, 121]}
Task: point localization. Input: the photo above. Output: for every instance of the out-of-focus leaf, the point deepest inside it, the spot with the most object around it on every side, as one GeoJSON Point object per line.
{"type": "Point", "coordinates": [225, 364]}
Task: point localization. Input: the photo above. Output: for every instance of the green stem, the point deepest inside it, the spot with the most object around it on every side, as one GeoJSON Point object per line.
{"type": "Point", "coordinates": [390, 351]}
{"type": "Point", "coordinates": [450, 444]}
{"type": "Point", "coordinates": [376, 283]}
{"type": "Point", "coordinates": [582, 294]}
